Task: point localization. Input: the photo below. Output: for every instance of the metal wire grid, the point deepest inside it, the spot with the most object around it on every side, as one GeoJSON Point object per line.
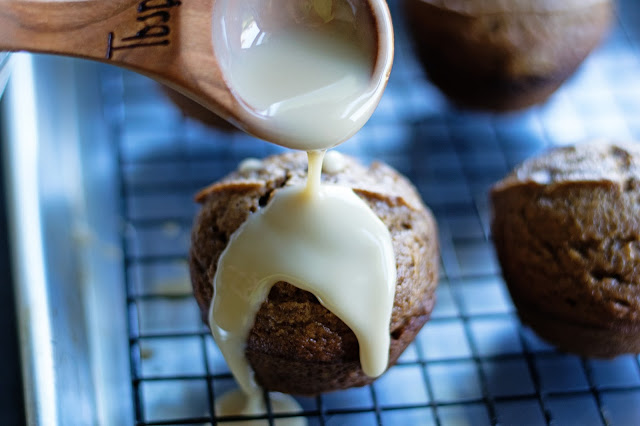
{"type": "Point", "coordinates": [473, 363]}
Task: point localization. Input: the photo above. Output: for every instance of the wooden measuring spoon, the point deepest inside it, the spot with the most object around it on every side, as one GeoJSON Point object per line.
{"type": "Point", "coordinates": [171, 41]}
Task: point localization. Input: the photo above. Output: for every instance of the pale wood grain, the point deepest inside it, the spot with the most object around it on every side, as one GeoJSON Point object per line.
{"type": "Point", "coordinates": [168, 40]}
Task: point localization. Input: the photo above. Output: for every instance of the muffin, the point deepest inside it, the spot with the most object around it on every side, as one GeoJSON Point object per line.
{"type": "Point", "coordinates": [296, 345]}
{"type": "Point", "coordinates": [504, 55]}
{"type": "Point", "coordinates": [566, 228]}
{"type": "Point", "coordinates": [192, 109]}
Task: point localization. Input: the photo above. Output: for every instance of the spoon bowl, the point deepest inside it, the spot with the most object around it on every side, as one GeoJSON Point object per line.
{"type": "Point", "coordinates": [193, 46]}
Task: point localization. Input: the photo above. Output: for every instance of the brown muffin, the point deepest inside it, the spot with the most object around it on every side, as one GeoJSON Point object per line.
{"type": "Point", "coordinates": [566, 227]}
{"type": "Point", "coordinates": [504, 54]}
{"type": "Point", "coordinates": [296, 345]}
{"type": "Point", "coordinates": [192, 109]}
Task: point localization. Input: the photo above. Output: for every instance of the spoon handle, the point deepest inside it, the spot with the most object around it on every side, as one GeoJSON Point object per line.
{"type": "Point", "coordinates": [168, 40]}
{"type": "Point", "coordinates": [73, 28]}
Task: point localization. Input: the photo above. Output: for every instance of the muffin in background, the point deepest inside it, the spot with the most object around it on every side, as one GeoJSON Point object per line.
{"type": "Point", "coordinates": [566, 228]}
{"type": "Point", "coordinates": [192, 109]}
{"type": "Point", "coordinates": [296, 345]}
{"type": "Point", "coordinates": [504, 55]}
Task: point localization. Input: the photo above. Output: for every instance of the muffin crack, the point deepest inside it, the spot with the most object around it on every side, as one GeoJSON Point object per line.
{"type": "Point", "coordinates": [615, 271]}
{"type": "Point", "coordinates": [264, 199]}
{"type": "Point", "coordinates": [602, 275]}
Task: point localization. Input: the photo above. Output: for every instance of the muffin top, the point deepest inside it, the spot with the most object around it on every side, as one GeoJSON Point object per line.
{"type": "Point", "coordinates": [377, 180]}
{"type": "Point", "coordinates": [597, 161]}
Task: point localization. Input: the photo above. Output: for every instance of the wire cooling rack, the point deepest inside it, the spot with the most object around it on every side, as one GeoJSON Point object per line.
{"type": "Point", "coordinates": [473, 363]}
